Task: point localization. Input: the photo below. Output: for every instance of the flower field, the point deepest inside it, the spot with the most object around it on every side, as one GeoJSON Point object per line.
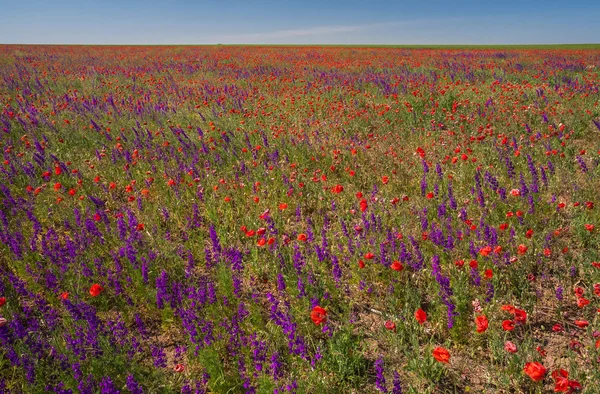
{"type": "Point", "coordinates": [299, 220]}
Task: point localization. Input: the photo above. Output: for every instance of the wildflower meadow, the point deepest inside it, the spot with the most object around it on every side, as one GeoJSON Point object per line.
{"type": "Point", "coordinates": [262, 219]}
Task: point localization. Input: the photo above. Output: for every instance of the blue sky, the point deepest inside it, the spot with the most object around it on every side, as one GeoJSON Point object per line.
{"type": "Point", "coordinates": [299, 22]}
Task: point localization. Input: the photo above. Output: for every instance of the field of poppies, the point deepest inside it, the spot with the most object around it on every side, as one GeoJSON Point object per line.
{"type": "Point", "coordinates": [299, 220]}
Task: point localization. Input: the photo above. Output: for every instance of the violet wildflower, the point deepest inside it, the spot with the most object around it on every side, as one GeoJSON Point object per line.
{"type": "Point", "coordinates": [380, 379]}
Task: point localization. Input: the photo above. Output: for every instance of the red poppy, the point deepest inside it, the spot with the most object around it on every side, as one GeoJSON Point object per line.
{"type": "Point", "coordinates": [302, 237]}
{"type": "Point", "coordinates": [337, 189]}
{"type": "Point", "coordinates": [508, 325]}
{"type": "Point", "coordinates": [179, 368]}
{"type": "Point", "coordinates": [536, 371]}
{"type": "Point", "coordinates": [520, 315]}
{"type": "Point", "coordinates": [581, 302]}
{"type": "Point", "coordinates": [2, 301]}
{"type": "Point", "coordinates": [361, 264]}
{"type": "Point", "coordinates": [529, 233]}
{"type": "Point", "coordinates": [489, 274]}
{"type": "Point", "coordinates": [442, 355]}
{"type": "Point", "coordinates": [522, 249]}
{"type": "Point", "coordinates": [385, 180]}
{"type": "Point", "coordinates": [397, 266]}
{"type": "Point", "coordinates": [561, 381]}
{"type": "Point", "coordinates": [95, 290]}
{"type": "Point", "coordinates": [369, 256]}
{"type": "Point", "coordinates": [282, 206]}
{"type": "Point", "coordinates": [363, 205]}
{"type": "Point", "coordinates": [541, 351]}
{"type": "Point", "coordinates": [318, 315]}
{"type": "Point", "coordinates": [589, 227]}
{"type": "Point", "coordinates": [421, 316]}
{"type": "Point", "coordinates": [390, 325]}
{"type": "Point", "coordinates": [485, 251]}
{"type": "Point", "coordinates": [581, 323]}
{"type": "Point", "coordinates": [64, 295]}
{"type": "Point", "coordinates": [482, 323]}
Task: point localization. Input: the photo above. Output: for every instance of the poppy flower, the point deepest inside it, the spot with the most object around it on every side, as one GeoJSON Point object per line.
{"type": "Point", "coordinates": [363, 205]}
{"type": "Point", "coordinates": [2, 301]}
{"type": "Point", "coordinates": [421, 316]}
{"type": "Point", "coordinates": [589, 227]}
{"type": "Point", "coordinates": [385, 180]}
{"type": "Point", "coordinates": [95, 290]}
{"type": "Point", "coordinates": [522, 249]}
{"type": "Point", "coordinates": [541, 351]}
{"type": "Point", "coordinates": [557, 328]}
{"type": "Point", "coordinates": [529, 233]}
{"type": "Point", "coordinates": [520, 315]}
{"type": "Point", "coordinates": [510, 347]}
{"type": "Point", "coordinates": [64, 295]}
{"type": "Point", "coordinates": [485, 251]}
{"type": "Point", "coordinates": [261, 242]}
{"type": "Point", "coordinates": [581, 323]}
{"type": "Point", "coordinates": [179, 368]}
{"type": "Point", "coordinates": [390, 325]}
{"type": "Point", "coordinates": [302, 237]}
{"type": "Point", "coordinates": [489, 274]}
{"type": "Point", "coordinates": [482, 323]}
{"type": "Point", "coordinates": [361, 264]}
{"type": "Point", "coordinates": [508, 325]}
{"type": "Point", "coordinates": [397, 266]}
{"type": "Point", "coordinates": [561, 381]}
{"type": "Point", "coordinates": [442, 355]}
{"type": "Point", "coordinates": [582, 302]}
{"type": "Point", "coordinates": [536, 371]}
{"type": "Point", "coordinates": [337, 189]}
{"type": "Point", "coordinates": [515, 192]}
{"type": "Point", "coordinates": [369, 256]}
{"type": "Point", "coordinates": [318, 315]}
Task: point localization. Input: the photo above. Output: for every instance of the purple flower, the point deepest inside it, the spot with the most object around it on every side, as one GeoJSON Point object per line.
{"type": "Point", "coordinates": [380, 379]}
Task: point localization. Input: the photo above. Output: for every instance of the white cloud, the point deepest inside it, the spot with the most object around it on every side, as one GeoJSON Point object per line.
{"type": "Point", "coordinates": [277, 35]}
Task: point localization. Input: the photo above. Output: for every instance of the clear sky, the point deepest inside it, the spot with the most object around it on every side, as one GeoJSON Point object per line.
{"type": "Point", "coordinates": [299, 22]}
